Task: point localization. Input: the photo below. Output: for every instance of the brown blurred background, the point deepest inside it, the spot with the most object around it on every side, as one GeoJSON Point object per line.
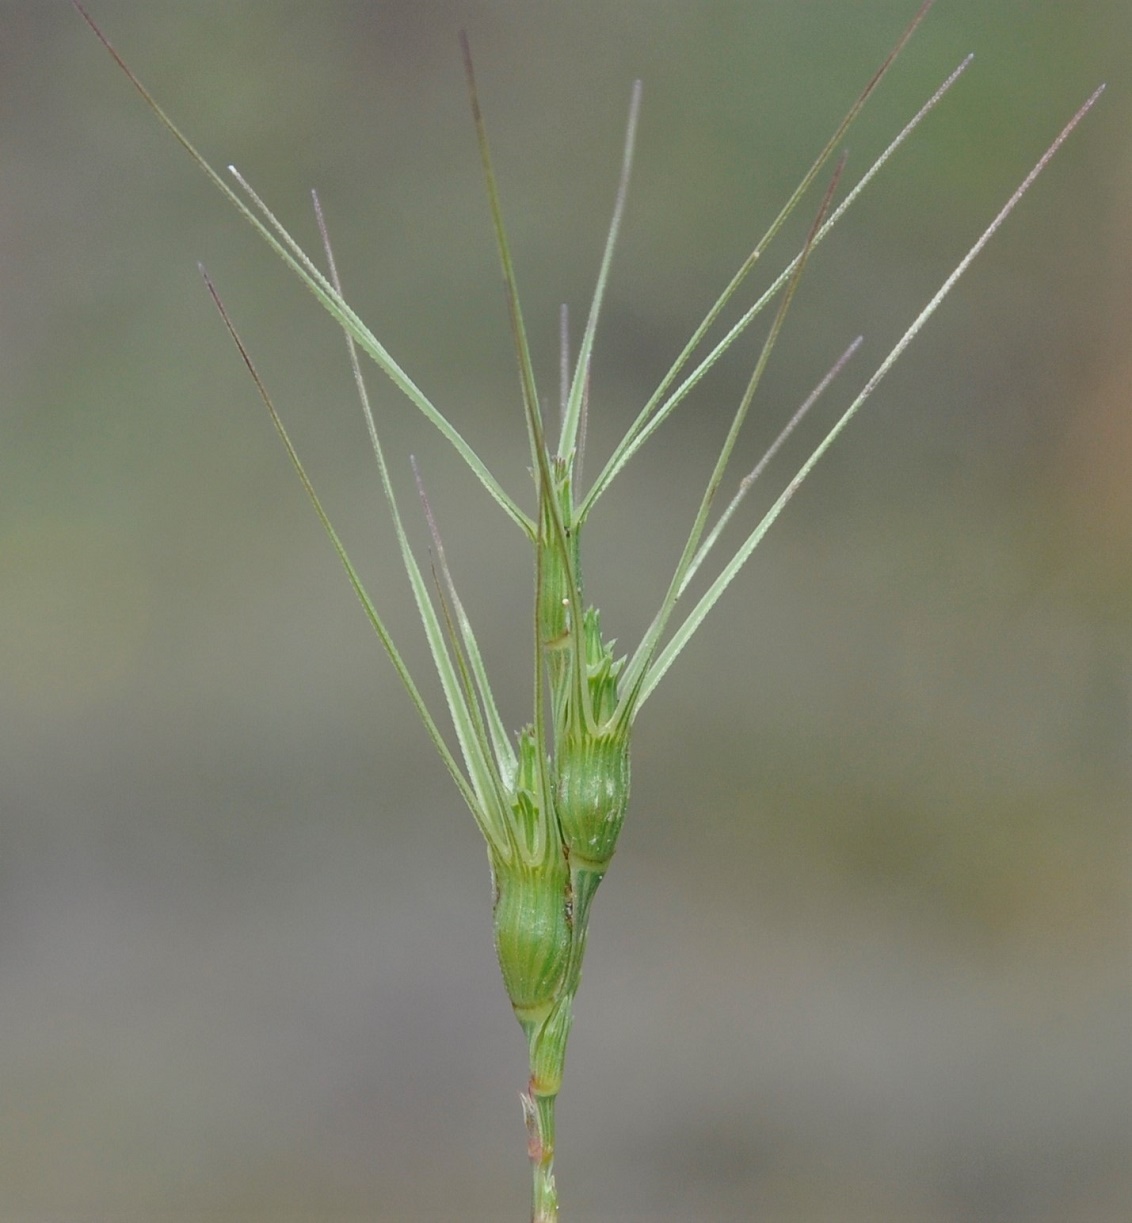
{"type": "Point", "coordinates": [864, 954]}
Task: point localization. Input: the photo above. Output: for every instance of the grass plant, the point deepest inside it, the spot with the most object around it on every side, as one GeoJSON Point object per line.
{"type": "Point", "coordinates": [551, 801]}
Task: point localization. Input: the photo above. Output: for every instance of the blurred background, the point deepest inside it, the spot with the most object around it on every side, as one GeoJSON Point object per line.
{"type": "Point", "coordinates": [864, 953]}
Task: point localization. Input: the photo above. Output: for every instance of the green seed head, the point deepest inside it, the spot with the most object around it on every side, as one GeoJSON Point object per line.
{"type": "Point", "coordinates": [592, 757]}
{"type": "Point", "coordinates": [533, 929]}
{"type": "Point", "coordinates": [592, 795]}
{"type": "Point", "coordinates": [552, 825]}
{"type": "Point", "coordinates": [533, 900]}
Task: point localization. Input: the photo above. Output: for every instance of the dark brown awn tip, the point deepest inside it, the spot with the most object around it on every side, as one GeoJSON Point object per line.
{"type": "Point", "coordinates": [470, 73]}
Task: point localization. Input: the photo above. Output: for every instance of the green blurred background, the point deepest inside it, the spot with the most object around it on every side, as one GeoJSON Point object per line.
{"type": "Point", "coordinates": [864, 954]}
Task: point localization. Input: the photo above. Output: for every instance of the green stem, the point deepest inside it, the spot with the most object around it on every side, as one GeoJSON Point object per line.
{"type": "Point", "coordinates": [547, 1029]}
{"type": "Point", "coordinates": [546, 1039]}
{"type": "Point", "coordinates": [540, 1147]}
